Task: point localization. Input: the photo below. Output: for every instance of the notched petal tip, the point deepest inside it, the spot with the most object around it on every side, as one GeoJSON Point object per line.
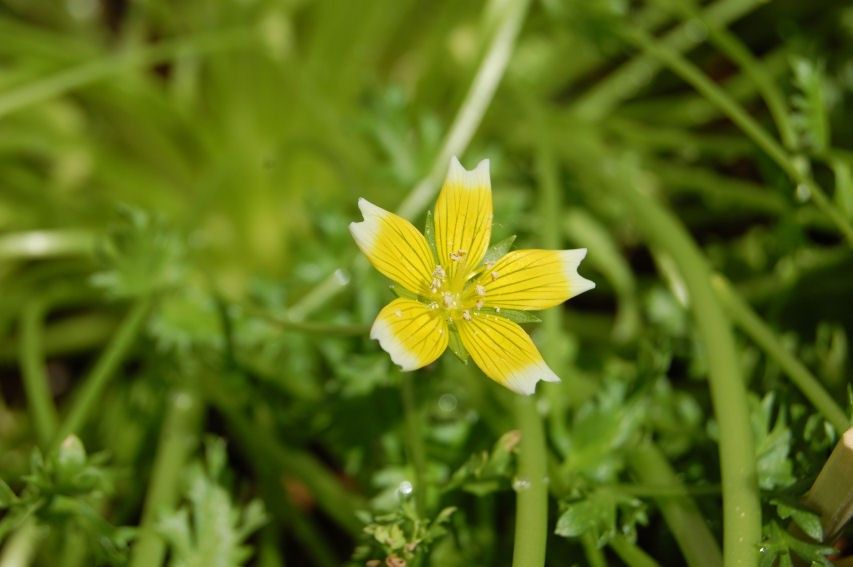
{"type": "Point", "coordinates": [476, 178]}
{"type": "Point", "coordinates": [571, 260]}
{"type": "Point", "coordinates": [524, 381]}
{"type": "Point", "coordinates": [381, 332]}
{"type": "Point", "coordinates": [368, 209]}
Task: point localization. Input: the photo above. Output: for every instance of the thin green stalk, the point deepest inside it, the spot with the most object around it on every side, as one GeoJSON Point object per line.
{"type": "Point", "coordinates": [531, 516]}
{"type": "Point", "coordinates": [89, 394]}
{"type": "Point", "coordinates": [684, 519]}
{"type": "Point", "coordinates": [743, 315]}
{"type": "Point", "coordinates": [628, 79]}
{"type": "Point", "coordinates": [477, 100]}
{"type": "Point", "coordinates": [178, 439]}
{"type": "Point", "coordinates": [87, 73]}
{"type": "Point", "coordinates": [735, 49]}
{"type": "Point", "coordinates": [741, 505]}
{"type": "Point", "coordinates": [308, 327]}
{"type": "Point", "coordinates": [20, 548]}
{"type": "Point", "coordinates": [45, 243]}
{"type": "Point", "coordinates": [36, 381]}
{"type": "Point", "coordinates": [594, 554]}
{"type": "Point", "coordinates": [632, 555]}
{"type": "Point", "coordinates": [414, 441]}
{"type": "Point", "coordinates": [743, 120]}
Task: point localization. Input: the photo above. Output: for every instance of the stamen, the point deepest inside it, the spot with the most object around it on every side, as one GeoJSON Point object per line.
{"type": "Point", "coordinates": [479, 304]}
{"type": "Point", "coordinates": [449, 299]}
{"type": "Point", "coordinates": [466, 315]}
{"type": "Point", "coordinates": [481, 291]}
{"type": "Point", "coordinates": [495, 276]}
{"type": "Point", "coordinates": [458, 255]}
{"type": "Point", "coordinates": [438, 273]}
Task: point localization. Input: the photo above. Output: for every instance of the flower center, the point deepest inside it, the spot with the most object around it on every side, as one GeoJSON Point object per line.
{"type": "Point", "coordinates": [457, 297]}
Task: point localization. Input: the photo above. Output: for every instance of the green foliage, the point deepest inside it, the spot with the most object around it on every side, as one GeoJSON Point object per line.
{"type": "Point", "coordinates": [210, 529]}
{"type": "Point", "coordinates": [402, 536]}
{"type": "Point", "coordinates": [63, 491]}
{"type": "Point", "coordinates": [235, 138]}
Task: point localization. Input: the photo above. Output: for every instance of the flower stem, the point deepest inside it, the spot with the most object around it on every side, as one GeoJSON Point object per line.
{"type": "Point", "coordinates": [686, 523]}
{"type": "Point", "coordinates": [630, 554]}
{"type": "Point", "coordinates": [90, 392]}
{"type": "Point", "coordinates": [752, 325]}
{"type": "Point", "coordinates": [741, 505]}
{"type": "Point", "coordinates": [36, 383]}
{"type": "Point", "coordinates": [414, 441]}
{"type": "Point", "coordinates": [178, 439]}
{"type": "Point", "coordinates": [477, 100]}
{"type": "Point", "coordinates": [531, 516]}
{"type": "Point", "coordinates": [690, 73]}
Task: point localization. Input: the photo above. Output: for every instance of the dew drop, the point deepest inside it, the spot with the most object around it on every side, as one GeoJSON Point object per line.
{"type": "Point", "coordinates": [520, 484]}
{"type": "Point", "coordinates": [405, 488]}
{"type": "Point", "coordinates": [341, 277]}
{"type": "Point", "coordinates": [803, 193]}
{"type": "Point", "coordinates": [447, 403]}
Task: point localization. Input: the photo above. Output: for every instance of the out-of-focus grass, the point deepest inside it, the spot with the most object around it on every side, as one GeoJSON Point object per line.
{"type": "Point", "coordinates": [176, 182]}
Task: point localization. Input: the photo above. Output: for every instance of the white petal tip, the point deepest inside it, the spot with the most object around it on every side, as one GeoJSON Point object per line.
{"type": "Point", "coordinates": [524, 381]}
{"type": "Point", "coordinates": [577, 283]}
{"type": "Point", "coordinates": [401, 356]}
{"type": "Point", "coordinates": [477, 178]}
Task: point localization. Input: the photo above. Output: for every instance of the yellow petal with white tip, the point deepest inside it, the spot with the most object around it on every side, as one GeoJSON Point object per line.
{"type": "Point", "coordinates": [412, 333]}
{"type": "Point", "coordinates": [463, 219]}
{"type": "Point", "coordinates": [532, 279]}
{"type": "Point", "coordinates": [394, 247]}
{"type": "Point", "coordinates": [504, 352]}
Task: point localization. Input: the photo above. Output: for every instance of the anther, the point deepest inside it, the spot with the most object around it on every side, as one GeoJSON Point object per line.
{"type": "Point", "coordinates": [479, 304]}
{"type": "Point", "coordinates": [466, 315]}
{"type": "Point", "coordinates": [458, 255]}
{"type": "Point", "coordinates": [495, 276]}
{"type": "Point", "coordinates": [481, 291]}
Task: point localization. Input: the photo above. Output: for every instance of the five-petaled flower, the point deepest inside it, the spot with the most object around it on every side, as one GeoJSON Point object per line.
{"type": "Point", "coordinates": [453, 291]}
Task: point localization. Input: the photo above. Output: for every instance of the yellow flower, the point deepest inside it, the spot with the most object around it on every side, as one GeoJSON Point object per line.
{"type": "Point", "coordinates": [454, 293]}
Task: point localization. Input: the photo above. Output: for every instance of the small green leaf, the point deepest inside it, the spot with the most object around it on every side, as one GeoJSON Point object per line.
{"type": "Point", "coordinates": [429, 233]}
{"type": "Point", "coordinates": [400, 291]}
{"type": "Point", "coordinates": [456, 346]}
{"type": "Point", "coordinates": [808, 521]}
{"type": "Point", "coordinates": [513, 315]}
{"type": "Point", "coordinates": [7, 497]}
{"type": "Point", "coordinates": [497, 250]}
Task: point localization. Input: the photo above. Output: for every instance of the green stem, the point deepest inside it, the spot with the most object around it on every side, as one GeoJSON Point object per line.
{"type": "Point", "coordinates": [36, 381]}
{"type": "Point", "coordinates": [686, 523]}
{"type": "Point", "coordinates": [531, 516]}
{"type": "Point", "coordinates": [741, 505]}
{"type": "Point", "coordinates": [473, 108]}
{"type": "Point", "coordinates": [414, 441]}
{"type": "Point", "coordinates": [744, 121]}
{"type": "Point", "coordinates": [732, 46]}
{"type": "Point", "coordinates": [308, 327]}
{"type": "Point", "coordinates": [87, 73]}
{"type": "Point", "coordinates": [627, 80]}
{"type": "Point", "coordinates": [594, 554]}
{"type": "Point", "coordinates": [111, 358]}
{"type": "Point", "coordinates": [21, 547]}
{"type": "Point", "coordinates": [805, 381]}
{"type": "Point", "coordinates": [45, 243]}
{"type": "Point", "coordinates": [632, 555]}
{"type": "Point", "coordinates": [178, 440]}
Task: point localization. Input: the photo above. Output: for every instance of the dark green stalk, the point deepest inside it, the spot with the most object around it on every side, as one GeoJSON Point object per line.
{"type": "Point", "coordinates": [178, 439]}
{"type": "Point", "coordinates": [414, 441]}
{"type": "Point", "coordinates": [741, 505]}
{"type": "Point", "coordinates": [36, 380]}
{"type": "Point", "coordinates": [107, 364]}
{"type": "Point", "coordinates": [632, 555]}
{"type": "Point", "coordinates": [744, 121]}
{"type": "Point", "coordinates": [742, 314]}
{"type": "Point", "coordinates": [686, 523]}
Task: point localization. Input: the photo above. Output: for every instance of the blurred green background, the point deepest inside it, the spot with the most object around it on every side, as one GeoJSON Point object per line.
{"type": "Point", "coordinates": [185, 373]}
